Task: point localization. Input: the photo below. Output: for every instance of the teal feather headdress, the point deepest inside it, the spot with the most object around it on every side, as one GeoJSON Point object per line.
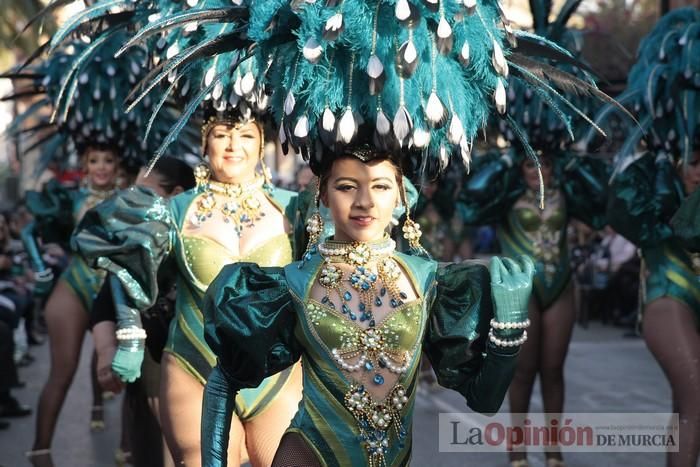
{"type": "Point", "coordinates": [663, 91]}
{"type": "Point", "coordinates": [85, 86]}
{"type": "Point", "coordinates": [402, 75]}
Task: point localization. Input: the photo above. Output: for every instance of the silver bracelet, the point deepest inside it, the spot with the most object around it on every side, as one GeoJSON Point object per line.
{"type": "Point", "coordinates": [510, 325]}
{"type": "Point", "coordinates": [131, 333]}
{"type": "Point", "coordinates": [507, 342]}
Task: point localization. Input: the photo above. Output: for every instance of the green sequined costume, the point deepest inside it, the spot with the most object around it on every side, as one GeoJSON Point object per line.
{"type": "Point", "coordinates": [56, 210]}
{"type": "Point", "coordinates": [260, 321]}
{"type": "Point", "coordinates": [140, 239]}
{"type": "Point", "coordinates": [644, 198]}
{"type": "Point", "coordinates": [496, 194]}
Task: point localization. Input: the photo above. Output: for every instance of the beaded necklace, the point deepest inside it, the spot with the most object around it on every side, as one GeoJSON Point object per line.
{"type": "Point", "coordinates": [242, 207]}
{"type": "Point", "coordinates": [364, 257]}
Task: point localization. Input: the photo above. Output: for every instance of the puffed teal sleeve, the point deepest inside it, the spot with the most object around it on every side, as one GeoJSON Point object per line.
{"type": "Point", "coordinates": [643, 198]}
{"type": "Point", "coordinates": [53, 222]}
{"type": "Point", "coordinates": [456, 341]}
{"type": "Point", "coordinates": [129, 235]}
{"type": "Point", "coordinates": [686, 222]}
{"type": "Point", "coordinates": [495, 184]}
{"type": "Point", "coordinates": [249, 322]}
{"type": "Point", "coordinates": [585, 186]}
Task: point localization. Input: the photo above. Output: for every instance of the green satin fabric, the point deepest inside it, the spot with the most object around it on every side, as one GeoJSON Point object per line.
{"type": "Point", "coordinates": [551, 277]}
{"type": "Point", "coordinates": [84, 281]}
{"type": "Point", "coordinates": [139, 238]}
{"type": "Point", "coordinates": [261, 320]}
{"type": "Point", "coordinates": [648, 206]}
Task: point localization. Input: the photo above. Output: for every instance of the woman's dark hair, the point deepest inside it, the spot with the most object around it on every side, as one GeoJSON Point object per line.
{"type": "Point", "coordinates": [175, 173]}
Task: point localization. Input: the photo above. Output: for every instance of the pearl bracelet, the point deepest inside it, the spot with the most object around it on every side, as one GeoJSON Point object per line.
{"type": "Point", "coordinates": [506, 342]}
{"type": "Point", "coordinates": [510, 325]}
{"type": "Point", "coordinates": [131, 333]}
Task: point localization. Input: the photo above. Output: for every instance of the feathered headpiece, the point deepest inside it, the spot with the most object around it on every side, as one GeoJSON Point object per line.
{"type": "Point", "coordinates": [664, 90]}
{"type": "Point", "coordinates": [420, 75]}
{"type": "Point", "coordinates": [538, 113]}
{"type": "Point", "coordinates": [85, 86]}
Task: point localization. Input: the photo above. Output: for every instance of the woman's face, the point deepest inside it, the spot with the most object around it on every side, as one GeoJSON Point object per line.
{"type": "Point", "coordinates": [101, 167]}
{"type": "Point", "coordinates": [691, 173]}
{"type": "Point", "coordinates": [532, 179]}
{"type": "Point", "coordinates": [361, 197]}
{"type": "Point", "coordinates": [234, 152]}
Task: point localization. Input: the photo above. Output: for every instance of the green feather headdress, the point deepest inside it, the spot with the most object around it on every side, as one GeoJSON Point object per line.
{"type": "Point", "coordinates": [402, 75]}
{"type": "Point", "coordinates": [663, 91]}
{"type": "Point", "coordinates": [85, 86]}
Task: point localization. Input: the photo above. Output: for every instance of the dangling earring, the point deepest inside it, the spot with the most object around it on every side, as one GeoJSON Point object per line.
{"type": "Point", "coordinates": [411, 229]}
{"type": "Point", "coordinates": [314, 227]}
{"type": "Point", "coordinates": [202, 175]}
{"type": "Point", "coordinates": [266, 173]}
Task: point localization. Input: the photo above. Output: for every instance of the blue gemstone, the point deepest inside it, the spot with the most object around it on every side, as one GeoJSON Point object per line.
{"type": "Point", "coordinates": [378, 379]}
{"type": "Point", "coordinates": [347, 296]}
{"type": "Point", "coordinates": [394, 303]}
{"type": "Point", "coordinates": [345, 308]}
{"type": "Point", "coordinates": [373, 277]}
{"type": "Point", "coordinates": [382, 363]}
{"type": "Point", "coordinates": [403, 295]}
{"type": "Point", "coordinates": [314, 249]}
{"type": "Point", "coordinates": [324, 299]}
{"type": "Point", "coordinates": [365, 286]}
{"type": "Point", "coordinates": [383, 291]}
{"type": "Point", "coordinates": [361, 269]}
{"type": "Point", "coordinates": [353, 316]}
{"type": "Point", "coordinates": [332, 305]}
{"type": "Point", "coordinates": [363, 317]}
{"type": "Point", "coordinates": [372, 323]}
{"type": "Point", "coordinates": [369, 366]}
{"type": "Point", "coordinates": [354, 279]}
{"type": "Point", "coordinates": [378, 301]}
{"type": "Point", "coordinates": [307, 256]}
{"type": "Point", "coordinates": [362, 307]}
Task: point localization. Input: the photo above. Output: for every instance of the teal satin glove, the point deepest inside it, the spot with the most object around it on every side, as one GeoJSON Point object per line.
{"type": "Point", "coordinates": [43, 283]}
{"type": "Point", "coordinates": [127, 364]}
{"type": "Point", "coordinates": [511, 286]}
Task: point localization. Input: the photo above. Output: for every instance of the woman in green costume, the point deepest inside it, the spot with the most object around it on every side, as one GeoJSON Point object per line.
{"type": "Point", "coordinates": [532, 205]}
{"type": "Point", "coordinates": [655, 203]}
{"type": "Point", "coordinates": [357, 86]}
{"type": "Point", "coordinates": [234, 214]}
{"type": "Point", "coordinates": [86, 122]}
{"type": "Point", "coordinates": [358, 314]}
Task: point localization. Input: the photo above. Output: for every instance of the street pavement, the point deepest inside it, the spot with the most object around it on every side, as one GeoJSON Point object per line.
{"type": "Point", "coordinates": [605, 372]}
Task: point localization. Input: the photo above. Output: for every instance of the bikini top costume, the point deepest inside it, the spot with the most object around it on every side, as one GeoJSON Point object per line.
{"type": "Point", "coordinates": [262, 320]}
{"type": "Point", "coordinates": [496, 194]}
{"type": "Point", "coordinates": [143, 241]}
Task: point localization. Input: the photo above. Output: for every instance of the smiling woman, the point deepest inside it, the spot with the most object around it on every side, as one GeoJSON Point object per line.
{"type": "Point", "coordinates": [234, 214]}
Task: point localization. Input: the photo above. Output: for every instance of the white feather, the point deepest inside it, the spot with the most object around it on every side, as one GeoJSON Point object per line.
{"type": "Point", "coordinates": [209, 76]}
{"type": "Point", "coordinates": [289, 103]}
{"type": "Point", "coordinates": [334, 23]}
{"type": "Point", "coordinates": [421, 138]}
{"type": "Point", "coordinates": [499, 60]}
{"type": "Point", "coordinates": [456, 131]}
{"type": "Point", "coordinates": [403, 10]}
{"type": "Point", "coordinates": [499, 95]}
{"type": "Point", "coordinates": [192, 3]}
{"type": "Point", "coordinates": [444, 158]}
{"type": "Point", "coordinates": [217, 91]}
{"type": "Point", "coordinates": [402, 124]}
{"type": "Point", "coordinates": [282, 135]}
{"type": "Point", "coordinates": [301, 129]}
{"type": "Point", "coordinates": [328, 122]}
{"type": "Point", "coordinates": [237, 86]}
{"type": "Point", "coordinates": [191, 27]}
{"type": "Point", "coordinates": [410, 53]}
{"type": "Point", "coordinates": [312, 50]}
{"type": "Point", "coordinates": [434, 110]}
{"type": "Point", "coordinates": [375, 68]}
{"type": "Point", "coordinates": [248, 83]}
{"type": "Point", "coordinates": [346, 127]}
{"type": "Point", "coordinates": [444, 30]}
{"type": "Point", "coordinates": [383, 123]}
{"type": "Point", "coordinates": [465, 150]}
{"type": "Point", "coordinates": [464, 54]}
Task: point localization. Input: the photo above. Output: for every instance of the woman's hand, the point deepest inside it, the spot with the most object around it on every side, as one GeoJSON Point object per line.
{"type": "Point", "coordinates": [105, 347]}
{"type": "Point", "coordinates": [511, 286]}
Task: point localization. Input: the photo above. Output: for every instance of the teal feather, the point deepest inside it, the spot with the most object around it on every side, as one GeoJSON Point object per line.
{"type": "Point", "coordinates": [86, 15]}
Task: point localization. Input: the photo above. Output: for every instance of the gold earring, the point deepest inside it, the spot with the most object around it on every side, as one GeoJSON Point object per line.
{"type": "Point", "coordinates": [202, 174]}
{"type": "Point", "coordinates": [314, 227]}
{"type": "Point", "coordinates": [266, 172]}
{"type": "Point", "coordinates": [411, 229]}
